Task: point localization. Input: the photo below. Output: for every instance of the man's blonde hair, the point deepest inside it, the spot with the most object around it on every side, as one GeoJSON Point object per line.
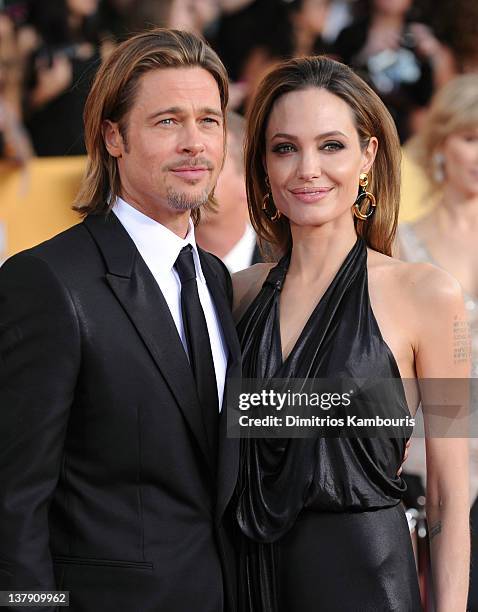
{"type": "Point", "coordinates": [114, 92]}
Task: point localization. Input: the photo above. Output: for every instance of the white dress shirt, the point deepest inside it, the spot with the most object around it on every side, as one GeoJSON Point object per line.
{"type": "Point", "coordinates": [241, 254]}
{"type": "Point", "coordinates": [159, 247]}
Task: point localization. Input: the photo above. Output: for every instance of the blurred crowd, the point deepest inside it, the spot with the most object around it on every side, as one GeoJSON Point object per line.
{"type": "Point", "coordinates": [421, 57]}
{"type": "Point", "coordinates": [50, 50]}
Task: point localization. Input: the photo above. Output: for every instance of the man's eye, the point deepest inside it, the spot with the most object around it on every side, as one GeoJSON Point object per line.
{"type": "Point", "coordinates": [167, 121]}
{"type": "Point", "coordinates": [211, 120]}
{"type": "Point", "coordinates": [332, 146]}
{"type": "Point", "coordinates": [284, 148]}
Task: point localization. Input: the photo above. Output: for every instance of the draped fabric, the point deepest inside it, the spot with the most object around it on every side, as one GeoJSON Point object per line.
{"type": "Point", "coordinates": [281, 479]}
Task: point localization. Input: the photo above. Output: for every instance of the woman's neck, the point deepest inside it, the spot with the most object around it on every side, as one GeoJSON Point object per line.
{"type": "Point", "coordinates": [319, 250]}
{"type": "Point", "coordinates": [457, 209]}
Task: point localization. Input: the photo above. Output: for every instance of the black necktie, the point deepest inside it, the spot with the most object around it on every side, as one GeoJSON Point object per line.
{"type": "Point", "coordinates": [198, 343]}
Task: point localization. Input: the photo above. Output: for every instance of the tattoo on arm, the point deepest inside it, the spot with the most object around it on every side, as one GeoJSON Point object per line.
{"type": "Point", "coordinates": [461, 340]}
{"type": "Point", "coordinates": [435, 530]}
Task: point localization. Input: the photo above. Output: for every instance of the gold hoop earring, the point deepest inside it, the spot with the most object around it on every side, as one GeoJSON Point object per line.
{"type": "Point", "coordinates": [267, 201]}
{"type": "Point", "coordinates": [364, 195]}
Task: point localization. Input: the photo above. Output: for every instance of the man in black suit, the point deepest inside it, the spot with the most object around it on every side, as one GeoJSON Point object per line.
{"type": "Point", "coordinates": [116, 342]}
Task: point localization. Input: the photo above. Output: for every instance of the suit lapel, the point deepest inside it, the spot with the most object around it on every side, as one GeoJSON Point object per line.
{"type": "Point", "coordinates": [136, 289]}
{"type": "Point", "coordinates": [228, 450]}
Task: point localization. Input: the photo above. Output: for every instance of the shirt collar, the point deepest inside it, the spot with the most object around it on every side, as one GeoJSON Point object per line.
{"type": "Point", "coordinates": [241, 254]}
{"type": "Point", "coordinates": [157, 244]}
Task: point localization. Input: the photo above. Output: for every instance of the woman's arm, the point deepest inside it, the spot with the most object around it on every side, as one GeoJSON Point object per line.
{"type": "Point", "coordinates": [442, 354]}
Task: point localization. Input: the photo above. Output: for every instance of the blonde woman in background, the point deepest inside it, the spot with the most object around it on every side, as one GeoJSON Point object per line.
{"type": "Point", "coordinates": [447, 149]}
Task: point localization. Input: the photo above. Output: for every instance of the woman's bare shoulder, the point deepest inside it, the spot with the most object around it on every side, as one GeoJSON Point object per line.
{"type": "Point", "coordinates": [422, 285]}
{"type": "Point", "coordinates": [247, 284]}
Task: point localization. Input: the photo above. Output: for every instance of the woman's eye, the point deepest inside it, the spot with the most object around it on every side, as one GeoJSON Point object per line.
{"type": "Point", "coordinates": [283, 148]}
{"type": "Point", "coordinates": [332, 146]}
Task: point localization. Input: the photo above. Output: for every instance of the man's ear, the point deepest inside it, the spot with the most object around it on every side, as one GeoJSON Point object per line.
{"type": "Point", "coordinates": [113, 140]}
{"type": "Point", "coordinates": [369, 154]}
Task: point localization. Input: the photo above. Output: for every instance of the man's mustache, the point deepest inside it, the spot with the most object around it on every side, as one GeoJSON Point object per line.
{"type": "Point", "coordinates": [191, 163]}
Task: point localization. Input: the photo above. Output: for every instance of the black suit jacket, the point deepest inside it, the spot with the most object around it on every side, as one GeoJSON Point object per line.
{"type": "Point", "coordinates": [107, 487]}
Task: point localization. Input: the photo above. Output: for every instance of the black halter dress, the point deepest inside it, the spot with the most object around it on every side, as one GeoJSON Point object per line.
{"type": "Point", "coordinates": [323, 525]}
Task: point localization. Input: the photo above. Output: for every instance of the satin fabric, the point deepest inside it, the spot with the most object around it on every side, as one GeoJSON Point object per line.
{"type": "Point", "coordinates": [324, 483]}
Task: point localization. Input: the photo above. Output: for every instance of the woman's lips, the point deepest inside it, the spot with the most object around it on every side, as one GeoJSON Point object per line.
{"type": "Point", "coordinates": [310, 194]}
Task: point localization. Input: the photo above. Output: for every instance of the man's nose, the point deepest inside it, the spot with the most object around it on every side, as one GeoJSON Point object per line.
{"type": "Point", "coordinates": [192, 141]}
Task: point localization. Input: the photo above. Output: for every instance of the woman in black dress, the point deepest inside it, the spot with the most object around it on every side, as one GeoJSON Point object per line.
{"type": "Point", "coordinates": [323, 525]}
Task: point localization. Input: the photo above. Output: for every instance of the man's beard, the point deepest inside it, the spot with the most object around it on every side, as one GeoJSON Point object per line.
{"type": "Point", "coordinates": [183, 201]}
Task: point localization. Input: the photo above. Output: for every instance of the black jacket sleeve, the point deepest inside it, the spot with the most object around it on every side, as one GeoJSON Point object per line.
{"type": "Point", "coordinates": [39, 363]}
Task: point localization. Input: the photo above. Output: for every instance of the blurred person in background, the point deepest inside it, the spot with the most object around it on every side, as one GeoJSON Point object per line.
{"type": "Point", "coordinates": [227, 232]}
{"type": "Point", "coordinates": [392, 52]}
{"type": "Point", "coordinates": [194, 15]}
{"type": "Point", "coordinates": [455, 24]}
{"type": "Point", "coordinates": [279, 28]}
{"type": "Point", "coordinates": [237, 35]}
{"type": "Point", "coordinates": [117, 17]}
{"type": "Point", "coordinates": [306, 18]}
{"type": "Point", "coordinates": [60, 72]}
{"type": "Point", "coordinates": [11, 74]}
{"type": "Point", "coordinates": [447, 149]}
{"type": "Point", "coordinates": [14, 143]}
{"type": "Point", "coordinates": [125, 17]}
{"type": "Point", "coordinates": [252, 40]}
{"type": "Point", "coordinates": [138, 15]}
{"type": "Point", "coordinates": [339, 16]}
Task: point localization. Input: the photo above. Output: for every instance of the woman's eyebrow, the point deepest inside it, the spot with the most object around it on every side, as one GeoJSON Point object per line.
{"type": "Point", "coordinates": [319, 136]}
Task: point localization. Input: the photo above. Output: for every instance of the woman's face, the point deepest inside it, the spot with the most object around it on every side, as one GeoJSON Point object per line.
{"type": "Point", "coordinates": [460, 153]}
{"type": "Point", "coordinates": [313, 157]}
{"type": "Point", "coordinates": [83, 8]}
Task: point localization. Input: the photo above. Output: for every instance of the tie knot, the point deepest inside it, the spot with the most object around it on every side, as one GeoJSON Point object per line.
{"type": "Point", "coordinates": [185, 264]}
